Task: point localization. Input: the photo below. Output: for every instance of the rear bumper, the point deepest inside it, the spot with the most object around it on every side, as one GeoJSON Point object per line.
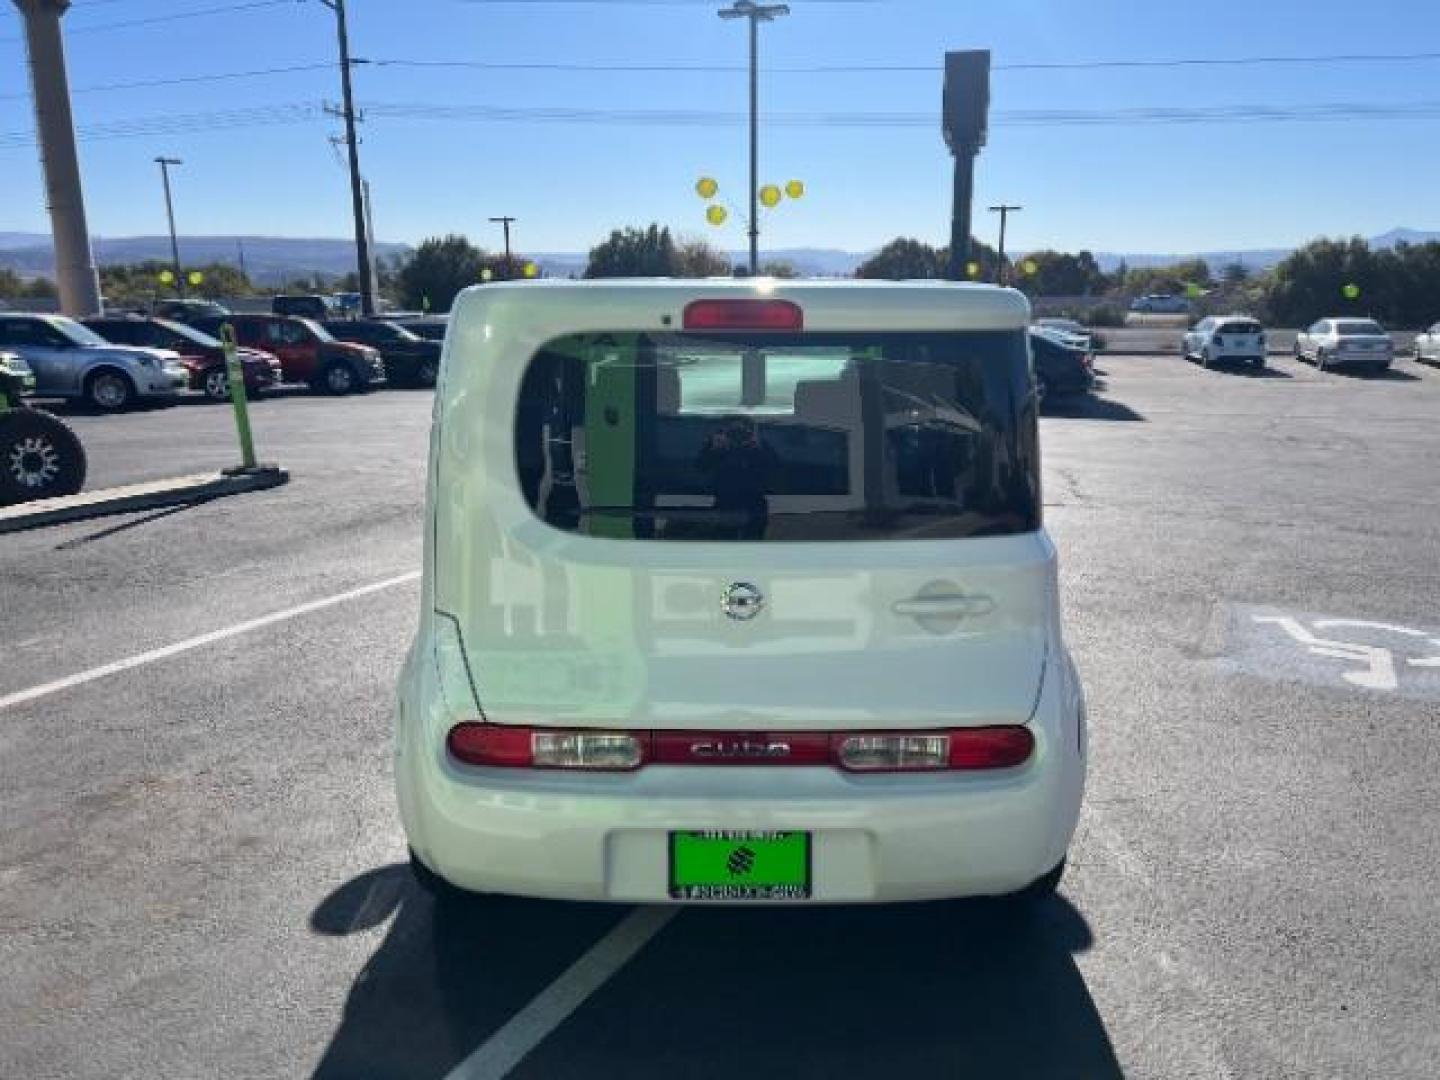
{"type": "Point", "coordinates": [875, 838]}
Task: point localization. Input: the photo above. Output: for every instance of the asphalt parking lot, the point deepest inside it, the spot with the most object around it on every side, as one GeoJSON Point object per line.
{"type": "Point", "coordinates": [202, 873]}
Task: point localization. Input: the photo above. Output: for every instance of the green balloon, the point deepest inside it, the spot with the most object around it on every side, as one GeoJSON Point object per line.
{"type": "Point", "coordinates": [1351, 292]}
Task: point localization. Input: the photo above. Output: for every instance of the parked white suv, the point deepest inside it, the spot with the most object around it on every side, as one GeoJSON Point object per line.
{"type": "Point", "coordinates": [1232, 339]}
{"type": "Point", "coordinates": [738, 591]}
{"type": "Point", "coordinates": [1347, 342]}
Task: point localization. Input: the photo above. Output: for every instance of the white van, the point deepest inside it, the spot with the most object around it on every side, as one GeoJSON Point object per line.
{"type": "Point", "coordinates": [738, 591]}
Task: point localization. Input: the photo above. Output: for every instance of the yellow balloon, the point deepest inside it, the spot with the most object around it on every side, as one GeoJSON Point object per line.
{"type": "Point", "coordinates": [531, 270]}
{"type": "Point", "coordinates": [795, 189]}
{"type": "Point", "coordinates": [196, 277]}
{"type": "Point", "coordinates": [770, 196]}
{"type": "Point", "coordinates": [716, 215]}
{"type": "Point", "coordinates": [973, 269]}
{"type": "Point", "coordinates": [1351, 292]}
{"type": "Point", "coordinates": [1030, 266]}
{"type": "Point", "coordinates": [486, 273]}
{"type": "Point", "coordinates": [167, 277]}
{"type": "Point", "coordinates": [706, 188]}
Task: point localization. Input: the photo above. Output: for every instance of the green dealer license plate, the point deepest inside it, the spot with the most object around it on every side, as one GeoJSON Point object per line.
{"type": "Point", "coordinates": [739, 865]}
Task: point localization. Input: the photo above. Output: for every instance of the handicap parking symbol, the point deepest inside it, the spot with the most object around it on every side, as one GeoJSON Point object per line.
{"type": "Point", "coordinates": [1382, 657]}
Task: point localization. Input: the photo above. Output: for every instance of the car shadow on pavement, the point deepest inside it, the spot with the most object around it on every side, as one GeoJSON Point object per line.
{"type": "Point", "coordinates": [965, 988]}
{"type": "Point", "coordinates": [1086, 407]}
{"type": "Point", "coordinates": [1247, 371]}
{"type": "Point", "coordinates": [1361, 375]}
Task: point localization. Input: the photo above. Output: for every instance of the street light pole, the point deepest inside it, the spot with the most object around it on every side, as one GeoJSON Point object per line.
{"type": "Point", "coordinates": [165, 163]}
{"type": "Point", "coordinates": [756, 14]}
{"type": "Point", "coordinates": [357, 196]}
{"type": "Point", "coordinates": [506, 222]}
{"type": "Point", "coordinates": [1004, 212]}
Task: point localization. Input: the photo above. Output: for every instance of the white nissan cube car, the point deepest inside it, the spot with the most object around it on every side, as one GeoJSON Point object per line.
{"type": "Point", "coordinates": [738, 591]}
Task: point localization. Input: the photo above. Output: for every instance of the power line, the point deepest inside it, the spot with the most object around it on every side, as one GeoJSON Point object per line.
{"type": "Point", "coordinates": [720, 69]}
{"type": "Point", "coordinates": [174, 17]}
{"type": "Point", "coordinates": [187, 79]}
{"type": "Point", "coordinates": [896, 69]}
{"type": "Point", "coordinates": [299, 112]}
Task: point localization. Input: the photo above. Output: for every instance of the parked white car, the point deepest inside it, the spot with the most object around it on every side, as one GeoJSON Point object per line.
{"type": "Point", "coordinates": [1066, 331]}
{"type": "Point", "coordinates": [72, 361]}
{"type": "Point", "coordinates": [738, 591]}
{"type": "Point", "coordinates": [1427, 345]}
{"type": "Point", "coordinates": [1233, 339]}
{"type": "Point", "coordinates": [1346, 342]}
{"type": "Point", "coordinates": [1160, 304]}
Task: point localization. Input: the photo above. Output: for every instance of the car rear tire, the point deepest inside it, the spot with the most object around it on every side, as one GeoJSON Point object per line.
{"type": "Point", "coordinates": [40, 457]}
{"type": "Point", "coordinates": [339, 379]}
{"type": "Point", "coordinates": [109, 390]}
{"type": "Point", "coordinates": [216, 384]}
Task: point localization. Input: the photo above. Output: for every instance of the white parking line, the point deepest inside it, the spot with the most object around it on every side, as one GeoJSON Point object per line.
{"type": "Point", "coordinates": [526, 1029]}
{"type": "Point", "coordinates": [167, 651]}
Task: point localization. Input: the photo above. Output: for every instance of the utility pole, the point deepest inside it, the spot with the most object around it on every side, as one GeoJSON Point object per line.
{"type": "Point", "coordinates": [509, 265]}
{"type": "Point", "coordinates": [357, 196]}
{"type": "Point", "coordinates": [165, 163]}
{"type": "Point", "coordinates": [240, 249]}
{"type": "Point", "coordinates": [75, 274]}
{"type": "Point", "coordinates": [1004, 211]}
{"type": "Point", "coordinates": [756, 14]}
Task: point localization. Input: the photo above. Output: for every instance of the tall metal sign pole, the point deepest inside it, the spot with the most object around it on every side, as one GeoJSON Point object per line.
{"type": "Point", "coordinates": [74, 262]}
{"type": "Point", "coordinates": [966, 125]}
{"type": "Point", "coordinates": [1002, 273]}
{"type": "Point", "coordinates": [165, 163]}
{"type": "Point", "coordinates": [357, 196]}
{"type": "Point", "coordinates": [756, 13]}
{"type": "Point", "coordinates": [506, 221]}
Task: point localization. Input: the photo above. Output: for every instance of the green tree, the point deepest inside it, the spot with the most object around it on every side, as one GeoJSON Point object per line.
{"type": "Point", "coordinates": [697, 259]}
{"type": "Point", "coordinates": [632, 252]}
{"type": "Point", "coordinates": [903, 259]}
{"type": "Point", "coordinates": [438, 269]}
{"type": "Point", "coordinates": [778, 268]}
{"type": "Point", "coordinates": [1175, 278]}
{"type": "Point", "coordinates": [39, 288]}
{"type": "Point", "coordinates": [1235, 274]}
{"type": "Point", "coordinates": [1056, 273]}
{"type": "Point", "coordinates": [10, 283]}
{"type": "Point", "coordinates": [1311, 283]}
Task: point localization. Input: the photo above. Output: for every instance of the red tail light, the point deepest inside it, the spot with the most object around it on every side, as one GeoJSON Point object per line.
{"type": "Point", "coordinates": [743, 315]}
{"type": "Point", "coordinates": [990, 748]}
{"type": "Point", "coordinates": [958, 749]}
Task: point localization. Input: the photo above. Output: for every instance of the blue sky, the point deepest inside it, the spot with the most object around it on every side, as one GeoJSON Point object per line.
{"type": "Point", "coordinates": [1115, 188]}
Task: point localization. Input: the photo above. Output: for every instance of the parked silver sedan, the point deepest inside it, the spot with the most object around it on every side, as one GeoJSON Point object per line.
{"type": "Point", "coordinates": [72, 361]}
{"type": "Point", "coordinates": [1427, 345]}
{"type": "Point", "coordinates": [1345, 342]}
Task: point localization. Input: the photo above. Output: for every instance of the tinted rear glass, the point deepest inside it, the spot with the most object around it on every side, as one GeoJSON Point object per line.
{"type": "Point", "coordinates": [781, 437]}
{"type": "Point", "coordinates": [1358, 328]}
{"type": "Point", "coordinates": [1239, 328]}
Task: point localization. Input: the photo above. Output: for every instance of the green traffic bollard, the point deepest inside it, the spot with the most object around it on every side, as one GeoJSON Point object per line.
{"type": "Point", "coordinates": [235, 374]}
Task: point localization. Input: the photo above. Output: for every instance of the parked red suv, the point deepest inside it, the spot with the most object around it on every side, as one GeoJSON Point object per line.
{"type": "Point", "coordinates": [201, 354]}
{"type": "Point", "coordinates": [306, 350]}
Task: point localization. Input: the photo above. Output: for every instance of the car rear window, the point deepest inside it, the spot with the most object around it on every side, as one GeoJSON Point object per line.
{"type": "Point", "coordinates": [774, 437]}
{"type": "Point", "coordinates": [1358, 328]}
{"type": "Point", "coordinates": [1241, 327]}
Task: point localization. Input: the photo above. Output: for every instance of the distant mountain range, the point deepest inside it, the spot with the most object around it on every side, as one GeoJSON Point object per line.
{"type": "Point", "coordinates": [273, 259]}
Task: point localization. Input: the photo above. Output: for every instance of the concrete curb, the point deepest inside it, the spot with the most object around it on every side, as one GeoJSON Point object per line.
{"type": "Point", "coordinates": [134, 498]}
